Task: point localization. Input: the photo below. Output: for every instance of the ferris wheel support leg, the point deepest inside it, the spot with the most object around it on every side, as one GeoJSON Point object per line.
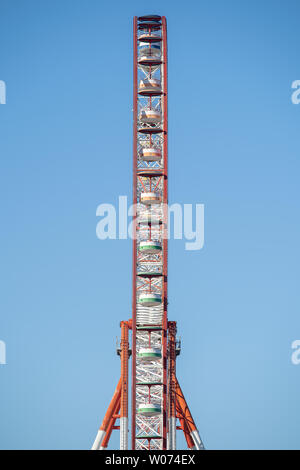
{"type": "Point", "coordinates": [172, 385]}
{"type": "Point", "coordinates": [184, 427]}
{"type": "Point", "coordinates": [172, 433]}
{"type": "Point", "coordinates": [107, 418]}
{"type": "Point", "coordinates": [124, 386]}
{"type": "Point", "coordinates": [194, 433]}
{"type": "Point", "coordinates": [112, 422]}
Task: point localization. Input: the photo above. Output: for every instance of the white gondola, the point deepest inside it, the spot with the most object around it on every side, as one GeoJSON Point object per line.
{"type": "Point", "coordinates": [150, 37]}
{"type": "Point", "coordinates": [147, 61]}
{"type": "Point", "coordinates": [146, 49]}
{"type": "Point", "coordinates": [151, 154]}
{"type": "Point", "coordinates": [149, 409]}
{"type": "Point", "coordinates": [149, 354]}
{"type": "Point", "coordinates": [150, 86]}
{"type": "Point", "coordinates": [150, 116]}
{"type": "Point", "coordinates": [148, 218]}
{"type": "Point", "coordinates": [149, 299]}
{"type": "Point", "coordinates": [150, 247]}
{"type": "Point", "coordinates": [148, 56]}
{"type": "Point", "coordinates": [150, 198]}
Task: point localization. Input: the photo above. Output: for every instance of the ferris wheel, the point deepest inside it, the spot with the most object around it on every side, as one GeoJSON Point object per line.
{"type": "Point", "coordinates": [150, 269]}
{"type": "Point", "coordinates": [157, 401]}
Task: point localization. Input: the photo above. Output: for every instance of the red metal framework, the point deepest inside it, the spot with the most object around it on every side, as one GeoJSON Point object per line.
{"type": "Point", "coordinates": [134, 228]}
{"type": "Point", "coordinates": [157, 400]}
{"type": "Point", "coordinates": [150, 180]}
{"type": "Point", "coordinates": [165, 225]}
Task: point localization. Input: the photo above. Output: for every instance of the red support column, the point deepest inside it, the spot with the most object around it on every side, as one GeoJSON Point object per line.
{"type": "Point", "coordinates": [124, 386]}
{"type": "Point", "coordinates": [112, 421]}
{"type": "Point", "coordinates": [188, 417]}
{"type": "Point", "coordinates": [184, 427]}
{"type": "Point", "coordinates": [171, 387]}
{"type": "Point", "coordinates": [107, 418]}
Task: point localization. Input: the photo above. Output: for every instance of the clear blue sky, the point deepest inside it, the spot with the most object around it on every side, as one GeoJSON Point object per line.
{"type": "Point", "coordinates": [65, 145]}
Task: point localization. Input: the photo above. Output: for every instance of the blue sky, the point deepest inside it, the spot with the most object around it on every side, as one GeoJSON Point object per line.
{"type": "Point", "coordinates": [65, 146]}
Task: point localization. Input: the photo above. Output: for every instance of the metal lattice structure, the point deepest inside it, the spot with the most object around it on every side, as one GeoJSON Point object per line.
{"type": "Point", "coordinates": [156, 398]}
{"type": "Point", "coordinates": [150, 247]}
